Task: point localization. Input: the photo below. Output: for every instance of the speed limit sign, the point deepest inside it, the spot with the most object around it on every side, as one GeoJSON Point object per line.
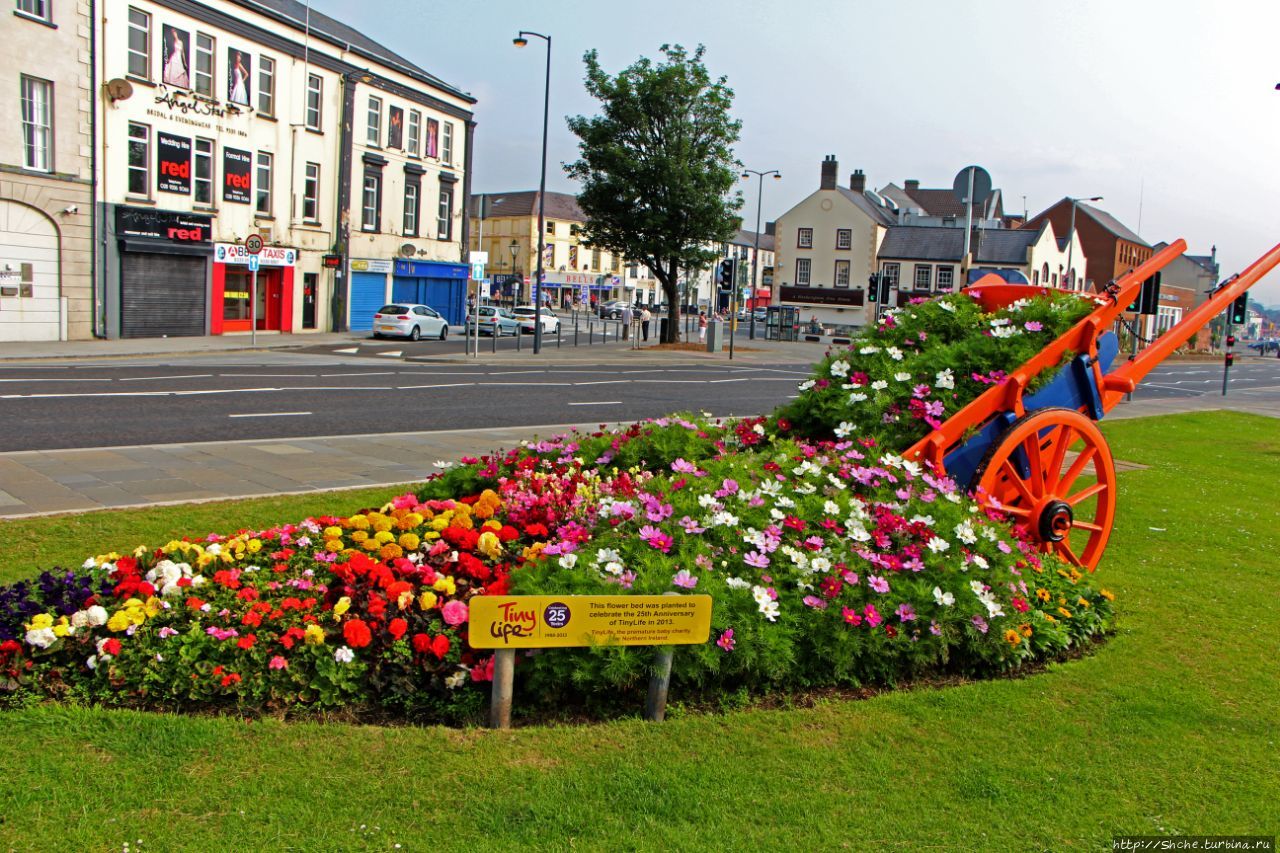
{"type": "Point", "coordinates": [253, 244]}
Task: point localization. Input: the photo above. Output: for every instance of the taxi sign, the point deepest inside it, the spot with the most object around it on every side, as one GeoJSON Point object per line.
{"type": "Point", "coordinates": [558, 621]}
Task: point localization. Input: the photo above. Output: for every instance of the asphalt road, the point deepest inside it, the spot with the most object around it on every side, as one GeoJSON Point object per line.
{"type": "Point", "coordinates": [1255, 377]}
{"type": "Point", "coordinates": [108, 405]}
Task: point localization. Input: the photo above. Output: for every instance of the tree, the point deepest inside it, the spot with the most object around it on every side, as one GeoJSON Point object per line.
{"type": "Point", "coordinates": [657, 168]}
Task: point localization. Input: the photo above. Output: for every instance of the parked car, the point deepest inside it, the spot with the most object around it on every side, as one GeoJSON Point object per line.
{"type": "Point", "coordinates": [612, 310]}
{"type": "Point", "coordinates": [494, 320]}
{"type": "Point", "coordinates": [762, 314]}
{"type": "Point", "coordinates": [525, 315]}
{"type": "Point", "coordinates": [410, 321]}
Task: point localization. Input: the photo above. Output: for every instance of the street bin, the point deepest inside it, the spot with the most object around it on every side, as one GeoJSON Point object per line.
{"type": "Point", "coordinates": [715, 336]}
{"type": "Point", "coordinates": [662, 328]}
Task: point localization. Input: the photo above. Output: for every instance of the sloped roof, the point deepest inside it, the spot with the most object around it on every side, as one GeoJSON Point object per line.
{"type": "Point", "coordinates": [878, 214]}
{"type": "Point", "coordinates": [562, 206]}
{"type": "Point", "coordinates": [1109, 222]}
{"type": "Point", "coordinates": [1205, 262]}
{"type": "Point", "coordinates": [748, 238]}
{"type": "Point", "coordinates": [940, 202]}
{"type": "Point", "coordinates": [295, 14]}
{"type": "Point", "coordinates": [937, 243]}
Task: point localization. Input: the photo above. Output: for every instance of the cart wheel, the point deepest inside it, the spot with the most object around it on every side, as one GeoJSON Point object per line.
{"type": "Point", "coordinates": [1051, 472]}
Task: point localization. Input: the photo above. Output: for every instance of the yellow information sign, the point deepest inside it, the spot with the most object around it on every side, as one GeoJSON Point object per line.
{"type": "Point", "coordinates": [550, 621]}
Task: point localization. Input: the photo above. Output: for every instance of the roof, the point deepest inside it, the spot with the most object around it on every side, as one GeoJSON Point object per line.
{"type": "Point", "coordinates": [1206, 262]}
{"type": "Point", "coordinates": [561, 206]}
{"type": "Point", "coordinates": [748, 238]}
{"type": "Point", "coordinates": [303, 18]}
{"type": "Point", "coordinates": [940, 243]}
{"type": "Point", "coordinates": [1109, 222]}
{"type": "Point", "coordinates": [878, 214]}
{"type": "Point", "coordinates": [944, 203]}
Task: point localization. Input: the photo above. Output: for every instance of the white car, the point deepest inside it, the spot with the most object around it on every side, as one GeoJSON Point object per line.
{"type": "Point", "coordinates": [410, 321]}
{"type": "Point", "coordinates": [526, 315]}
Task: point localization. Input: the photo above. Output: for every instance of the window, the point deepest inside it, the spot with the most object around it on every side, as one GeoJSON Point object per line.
{"type": "Point", "coordinates": [373, 135]}
{"type": "Point", "coordinates": [595, 259]}
{"type": "Point", "coordinates": [203, 177]}
{"type": "Point", "coordinates": [551, 228]}
{"type": "Point", "coordinates": [264, 183]}
{"type": "Point", "coordinates": [890, 272]}
{"type": "Point", "coordinates": [573, 258]}
{"type": "Point", "coordinates": [311, 192]}
{"type": "Point", "coordinates": [139, 159]}
{"type": "Point", "coordinates": [37, 124]}
{"type": "Point", "coordinates": [1044, 274]}
{"type": "Point", "coordinates": [804, 238]}
{"type": "Point", "coordinates": [444, 218]}
{"type": "Point", "coordinates": [139, 44]}
{"type": "Point", "coordinates": [844, 238]}
{"type": "Point", "coordinates": [842, 273]}
{"type": "Point", "coordinates": [924, 276]}
{"type": "Point", "coordinates": [36, 9]}
{"type": "Point", "coordinates": [946, 277]}
{"type": "Point", "coordinates": [266, 86]}
{"type": "Point", "coordinates": [802, 272]}
{"type": "Point", "coordinates": [411, 191]}
{"type": "Point", "coordinates": [203, 78]}
{"type": "Point", "coordinates": [446, 142]}
{"type": "Point", "coordinates": [615, 263]}
{"type": "Point", "coordinates": [415, 133]}
{"type": "Point", "coordinates": [371, 205]}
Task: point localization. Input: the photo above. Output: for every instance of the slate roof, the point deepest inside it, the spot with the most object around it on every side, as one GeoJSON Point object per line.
{"type": "Point", "coordinates": [748, 238]}
{"type": "Point", "coordinates": [878, 214]}
{"type": "Point", "coordinates": [294, 14]}
{"type": "Point", "coordinates": [1109, 222]}
{"type": "Point", "coordinates": [944, 203]}
{"type": "Point", "coordinates": [937, 243]}
{"type": "Point", "coordinates": [560, 206]}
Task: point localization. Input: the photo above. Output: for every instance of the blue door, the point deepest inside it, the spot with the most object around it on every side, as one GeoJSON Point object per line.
{"type": "Point", "coordinates": [368, 294]}
{"type": "Point", "coordinates": [448, 296]}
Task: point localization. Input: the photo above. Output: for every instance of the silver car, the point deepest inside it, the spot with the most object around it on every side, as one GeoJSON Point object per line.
{"type": "Point", "coordinates": [526, 315]}
{"type": "Point", "coordinates": [494, 321]}
{"type": "Point", "coordinates": [406, 320]}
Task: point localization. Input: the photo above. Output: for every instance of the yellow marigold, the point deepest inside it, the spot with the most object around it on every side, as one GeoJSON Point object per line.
{"type": "Point", "coordinates": [1042, 594]}
{"type": "Point", "coordinates": [119, 621]}
{"type": "Point", "coordinates": [533, 551]}
{"type": "Point", "coordinates": [390, 551]}
{"type": "Point", "coordinates": [333, 546]}
{"type": "Point", "coordinates": [342, 606]}
{"type": "Point", "coordinates": [427, 600]}
{"type": "Point", "coordinates": [254, 545]}
{"type": "Point", "coordinates": [1025, 629]}
{"type": "Point", "coordinates": [332, 532]}
{"type": "Point", "coordinates": [359, 536]}
{"type": "Point", "coordinates": [369, 544]}
{"type": "Point", "coordinates": [409, 541]}
{"type": "Point", "coordinates": [384, 536]}
{"type": "Point", "coordinates": [358, 522]}
{"type": "Point", "coordinates": [1065, 612]}
{"type": "Point", "coordinates": [1012, 637]}
{"type": "Point", "coordinates": [1082, 601]}
{"type": "Point", "coordinates": [489, 545]}
{"type": "Point", "coordinates": [445, 584]}
{"type": "Point", "coordinates": [40, 621]}
{"type": "Point", "coordinates": [1107, 594]}
{"type": "Point", "coordinates": [315, 635]}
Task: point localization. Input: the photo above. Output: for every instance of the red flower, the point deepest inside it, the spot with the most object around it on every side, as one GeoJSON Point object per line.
{"type": "Point", "coordinates": [246, 642]}
{"type": "Point", "coordinates": [112, 647]}
{"type": "Point", "coordinates": [252, 619]}
{"type": "Point", "coordinates": [440, 646]}
{"type": "Point", "coordinates": [397, 627]}
{"type": "Point", "coordinates": [195, 603]}
{"type": "Point", "coordinates": [536, 531]}
{"type": "Point", "coordinates": [483, 671]}
{"type": "Point", "coordinates": [421, 643]}
{"type": "Point", "coordinates": [377, 606]}
{"type": "Point", "coordinates": [356, 633]}
{"type": "Point", "coordinates": [507, 533]}
{"type": "Point", "coordinates": [228, 680]}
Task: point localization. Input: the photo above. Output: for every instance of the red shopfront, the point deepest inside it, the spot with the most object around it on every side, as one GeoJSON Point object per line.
{"type": "Point", "coordinates": [233, 294]}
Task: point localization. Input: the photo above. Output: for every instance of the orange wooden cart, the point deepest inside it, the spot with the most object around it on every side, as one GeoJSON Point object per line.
{"type": "Point", "coordinates": [1040, 458]}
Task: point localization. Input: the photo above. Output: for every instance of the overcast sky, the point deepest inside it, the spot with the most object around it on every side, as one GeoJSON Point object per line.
{"type": "Point", "coordinates": [1166, 108]}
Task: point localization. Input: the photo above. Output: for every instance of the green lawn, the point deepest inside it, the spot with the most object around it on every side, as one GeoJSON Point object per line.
{"type": "Point", "coordinates": [1171, 727]}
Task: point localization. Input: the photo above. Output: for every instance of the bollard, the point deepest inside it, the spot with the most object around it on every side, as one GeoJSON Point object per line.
{"type": "Point", "coordinates": [504, 667]}
{"type": "Point", "coordinates": [655, 706]}
{"type": "Point", "coordinates": [591, 332]}
{"type": "Point", "coordinates": [575, 330]}
{"type": "Point", "coordinates": [519, 336]}
{"type": "Point", "coordinates": [494, 337]}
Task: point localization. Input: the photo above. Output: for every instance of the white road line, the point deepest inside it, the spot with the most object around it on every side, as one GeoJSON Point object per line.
{"type": "Point", "coordinates": [270, 415]}
{"type": "Point", "coordinates": [370, 373]}
{"type": "Point", "coordinates": [395, 354]}
{"type": "Point", "coordinates": [718, 381]}
{"type": "Point", "coordinates": [444, 385]}
{"type": "Point", "coordinates": [271, 375]}
{"type": "Point", "coordinates": [512, 372]}
{"type": "Point", "coordinates": [348, 351]}
{"type": "Point", "coordinates": [146, 378]}
{"type": "Point", "coordinates": [1187, 391]}
{"type": "Point", "coordinates": [47, 379]}
{"type": "Point", "coordinates": [527, 384]}
{"type": "Point", "coordinates": [605, 382]}
{"type": "Point", "coordinates": [599, 403]}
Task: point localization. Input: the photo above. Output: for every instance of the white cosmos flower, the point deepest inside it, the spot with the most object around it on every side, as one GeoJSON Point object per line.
{"type": "Point", "coordinates": [785, 502]}
{"type": "Point", "coordinates": [830, 507]}
{"type": "Point", "coordinates": [706, 501]}
{"type": "Point", "coordinates": [777, 514]}
{"type": "Point", "coordinates": [770, 610]}
{"type": "Point", "coordinates": [840, 368]}
{"type": "Point", "coordinates": [937, 545]}
{"type": "Point", "coordinates": [945, 379]}
{"type": "Point", "coordinates": [819, 565]}
{"type": "Point", "coordinates": [912, 468]}
{"type": "Point", "coordinates": [760, 594]}
{"type": "Point", "coordinates": [857, 397]}
{"type": "Point", "coordinates": [894, 353]}
{"type": "Point", "coordinates": [806, 385]}
{"type": "Point", "coordinates": [922, 519]}
{"type": "Point", "coordinates": [568, 561]}
{"type": "Point", "coordinates": [965, 533]}
{"type": "Point", "coordinates": [845, 429]}
{"type": "Point", "coordinates": [945, 599]}
{"type": "Point", "coordinates": [902, 376]}
{"type": "Point", "coordinates": [442, 464]}
{"type": "Point", "coordinates": [869, 350]}
{"type": "Point", "coordinates": [980, 561]}
{"type": "Point", "coordinates": [613, 567]}
{"type": "Point", "coordinates": [736, 583]}
{"type": "Point", "coordinates": [947, 306]}
{"type": "Point", "coordinates": [879, 385]}
{"type": "Point", "coordinates": [606, 555]}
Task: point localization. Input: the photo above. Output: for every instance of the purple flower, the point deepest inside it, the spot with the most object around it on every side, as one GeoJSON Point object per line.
{"type": "Point", "coordinates": [756, 559]}
{"type": "Point", "coordinates": [878, 584]}
{"type": "Point", "coordinates": [726, 640]}
{"type": "Point", "coordinates": [690, 526]}
{"type": "Point", "coordinates": [1033, 325]}
{"type": "Point", "coordinates": [680, 466]}
{"type": "Point", "coordinates": [906, 613]}
{"type": "Point", "coordinates": [682, 578]}
{"type": "Point", "coordinates": [980, 624]}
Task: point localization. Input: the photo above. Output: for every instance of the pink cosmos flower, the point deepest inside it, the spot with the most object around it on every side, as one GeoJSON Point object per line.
{"type": "Point", "coordinates": [851, 616]}
{"type": "Point", "coordinates": [878, 584]}
{"type": "Point", "coordinates": [682, 578]}
{"type": "Point", "coordinates": [680, 466]}
{"type": "Point", "coordinates": [980, 624]}
{"type": "Point", "coordinates": [454, 613]}
{"type": "Point", "coordinates": [702, 561]}
{"type": "Point", "coordinates": [1033, 325]}
{"type": "Point", "coordinates": [872, 615]}
{"type": "Point", "coordinates": [851, 578]}
{"type": "Point", "coordinates": [756, 560]}
{"type": "Point", "coordinates": [906, 613]}
{"type": "Point", "coordinates": [814, 602]}
{"type": "Point", "coordinates": [690, 526]}
{"type": "Point", "coordinates": [278, 662]}
{"type": "Point", "coordinates": [726, 640]}
{"type": "Point", "coordinates": [934, 629]}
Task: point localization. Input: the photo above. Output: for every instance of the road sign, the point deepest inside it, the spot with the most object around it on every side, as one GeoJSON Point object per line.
{"type": "Point", "coordinates": [477, 271]}
{"type": "Point", "coordinates": [254, 261]}
{"type": "Point", "coordinates": [253, 244]}
{"type": "Point", "coordinates": [981, 185]}
{"type": "Point", "coordinates": [548, 621]}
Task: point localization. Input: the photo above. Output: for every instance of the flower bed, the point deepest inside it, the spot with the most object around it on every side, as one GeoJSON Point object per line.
{"type": "Point", "coordinates": [831, 560]}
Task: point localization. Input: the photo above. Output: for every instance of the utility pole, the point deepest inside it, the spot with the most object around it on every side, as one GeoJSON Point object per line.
{"type": "Point", "coordinates": [755, 259]}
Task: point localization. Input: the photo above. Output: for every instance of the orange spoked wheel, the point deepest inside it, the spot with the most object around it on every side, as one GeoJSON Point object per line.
{"type": "Point", "coordinates": [1052, 473]}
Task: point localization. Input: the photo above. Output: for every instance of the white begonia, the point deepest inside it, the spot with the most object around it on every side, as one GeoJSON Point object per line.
{"type": "Point", "coordinates": [97, 615]}
{"type": "Point", "coordinates": [879, 385]}
{"type": "Point", "coordinates": [41, 638]}
{"type": "Point", "coordinates": [937, 545]}
{"type": "Point", "coordinates": [845, 429]}
{"type": "Point", "coordinates": [344, 655]}
{"type": "Point", "coordinates": [945, 599]}
{"type": "Point", "coordinates": [945, 379]}
{"type": "Point", "coordinates": [568, 561]}
{"type": "Point", "coordinates": [459, 678]}
{"type": "Point", "coordinates": [80, 619]}
{"type": "Point", "coordinates": [840, 368]}
{"type": "Point", "coordinates": [214, 549]}
{"type": "Point", "coordinates": [736, 583]}
{"type": "Point", "coordinates": [758, 429]}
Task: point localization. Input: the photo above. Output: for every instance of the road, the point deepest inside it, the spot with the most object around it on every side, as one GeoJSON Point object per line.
{"type": "Point", "coordinates": [1253, 378]}
{"type": "Point", "coordinates": [218, 399]}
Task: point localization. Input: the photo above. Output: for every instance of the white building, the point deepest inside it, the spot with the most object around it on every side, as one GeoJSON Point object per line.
{"type": "Point", "coordinates": [226, 118]}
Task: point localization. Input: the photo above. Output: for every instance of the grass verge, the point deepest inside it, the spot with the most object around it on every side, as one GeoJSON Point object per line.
{"type": "Point", "coordinates": [1169, 728]}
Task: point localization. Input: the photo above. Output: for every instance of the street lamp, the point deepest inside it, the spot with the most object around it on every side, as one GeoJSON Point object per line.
{"type": "Point", "coordinates": [1071, 234]}
{"type": "Point", "coordinates": [520, 41]}
{"type": "Point", "coordinates": [514, 248]}
{"type": "Point", "coordinates": [755, 258]}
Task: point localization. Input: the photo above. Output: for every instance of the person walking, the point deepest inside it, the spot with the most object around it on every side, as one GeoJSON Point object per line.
{"type": "Point", "coordinates": [645, 319]}
{"type": "Point", "coordinates": [626, 322]}
{"type": "Point", "coordinates": [702, 327]}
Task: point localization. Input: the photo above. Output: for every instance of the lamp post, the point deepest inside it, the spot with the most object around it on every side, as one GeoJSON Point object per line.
{"type": "Point", "coordinates": [514, 248]}
{"type": "Point", "coordinates": [755, 257]}
{"type": "Point", "coordinates": [1071, 234]}
{"type": "Point", "coordinates": [520, 41]}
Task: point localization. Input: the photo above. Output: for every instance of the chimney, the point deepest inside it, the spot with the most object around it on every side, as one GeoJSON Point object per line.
{"type": "Point", "coordinates": [857, 181]}
{"type": "Point", "coordinates": [830, 169]}
{"type": "Point", "coordinates": [911, 185]}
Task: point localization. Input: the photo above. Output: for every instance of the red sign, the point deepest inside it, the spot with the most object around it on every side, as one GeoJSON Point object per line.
{"type": "Point", "coordinates": [331, 262]}
{"type": "Point", "coordinates": [253, 244]}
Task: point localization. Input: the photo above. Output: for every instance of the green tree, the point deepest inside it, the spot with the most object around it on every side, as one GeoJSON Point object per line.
{"type": "Point", "coordinates": [657, 168]}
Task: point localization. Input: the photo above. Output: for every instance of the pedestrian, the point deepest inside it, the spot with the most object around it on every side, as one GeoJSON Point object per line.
{"type": "Point", "coordinates": [626, 321]}
{"type": "Point", "coordinates": [645, 319]}
{"type": "Point", "coordinates": [702, 327]}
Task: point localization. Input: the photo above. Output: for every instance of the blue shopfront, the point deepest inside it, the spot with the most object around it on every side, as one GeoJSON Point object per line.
{"type": "Point", "coordinates": [441, 285]}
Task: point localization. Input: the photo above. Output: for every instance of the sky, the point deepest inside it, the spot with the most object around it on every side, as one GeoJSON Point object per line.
{"type": "Point", "coordinates": [1166, 108]}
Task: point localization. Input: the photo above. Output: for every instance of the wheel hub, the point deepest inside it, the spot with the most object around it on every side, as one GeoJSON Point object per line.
{"type": "Point", "coordinates": [1055, 521]}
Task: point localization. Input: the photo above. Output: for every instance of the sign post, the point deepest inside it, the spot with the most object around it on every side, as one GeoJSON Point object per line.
{"type": "Point", "coordinates": [253, 245]}
{"type": "Point", "coordinates": [477, 260]}
{"type": "Point", "coordinates": [506, 623]}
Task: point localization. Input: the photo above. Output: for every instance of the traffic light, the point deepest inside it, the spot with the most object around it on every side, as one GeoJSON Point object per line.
{"type": "Point", "coordinates": [1149, 299]}
{"type": "Point", "coordinates": [873, 287]}
{"type": "Point", "coordinates": [1240, 310]}
{"type": "Point", "coordinates": [725, 274]}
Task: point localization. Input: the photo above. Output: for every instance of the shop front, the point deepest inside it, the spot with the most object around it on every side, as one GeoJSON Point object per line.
{"type": "Point", "coordinates": [368, 292]}
{"type": "Point", "coordinates": [270, 303]}
{"type": "Point", "coordinates": [164, 272]}
{"type": "Point", "coordinates": [823, 311]}
{"type": "Point", "coordinates": [439, 284]}
{"type": "Point", "coordinates": [564, 289]}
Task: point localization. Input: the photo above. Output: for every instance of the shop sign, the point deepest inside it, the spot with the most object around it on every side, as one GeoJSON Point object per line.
{"type": "Point", "coordinates": [822, 296]}
{"type": "Point", "coordinates": [270, 256]}
{"type": "Point", "coordinates": [173, 169]}
{"type": "Point", "coordinates": [558, 621]}
{"type": "Point", "coordinates": [168, 225]}
{"type": "Point", "coordinates": [237, 175]}
{"type": "Point", "coordinates": [370, 265]}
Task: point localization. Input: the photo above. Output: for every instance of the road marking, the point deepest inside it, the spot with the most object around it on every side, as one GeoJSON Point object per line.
{"type": "Point", "coordinates": [369, 373]}
{"type": "Point", "coordinates": [395, 354]}
{"type": "Point", "coordinates": [444, 385]}
{"type": "Point", "coordinates": [47, 379]}
{"type": "Point", "coordinates": [512, 372]}
{"type": "Point", "coordinates": [599, 403]}
{"type": "Point", "coordinates": [270, 415]}
{"type": "Point", "coordinates": [605, 382]}
{"type": "Point", "coordinates": [271, 375]}
{"type": "Point", "coordinates": [1186, 391]}
{"type": "Point", "coordinates": [348, 350]}
{"type": "Point", "coordinates": [527, 384]}
{"type": "Point", "coordinates": [146, 378]}
{"type": "Point", "coordinates": [718, 381]}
